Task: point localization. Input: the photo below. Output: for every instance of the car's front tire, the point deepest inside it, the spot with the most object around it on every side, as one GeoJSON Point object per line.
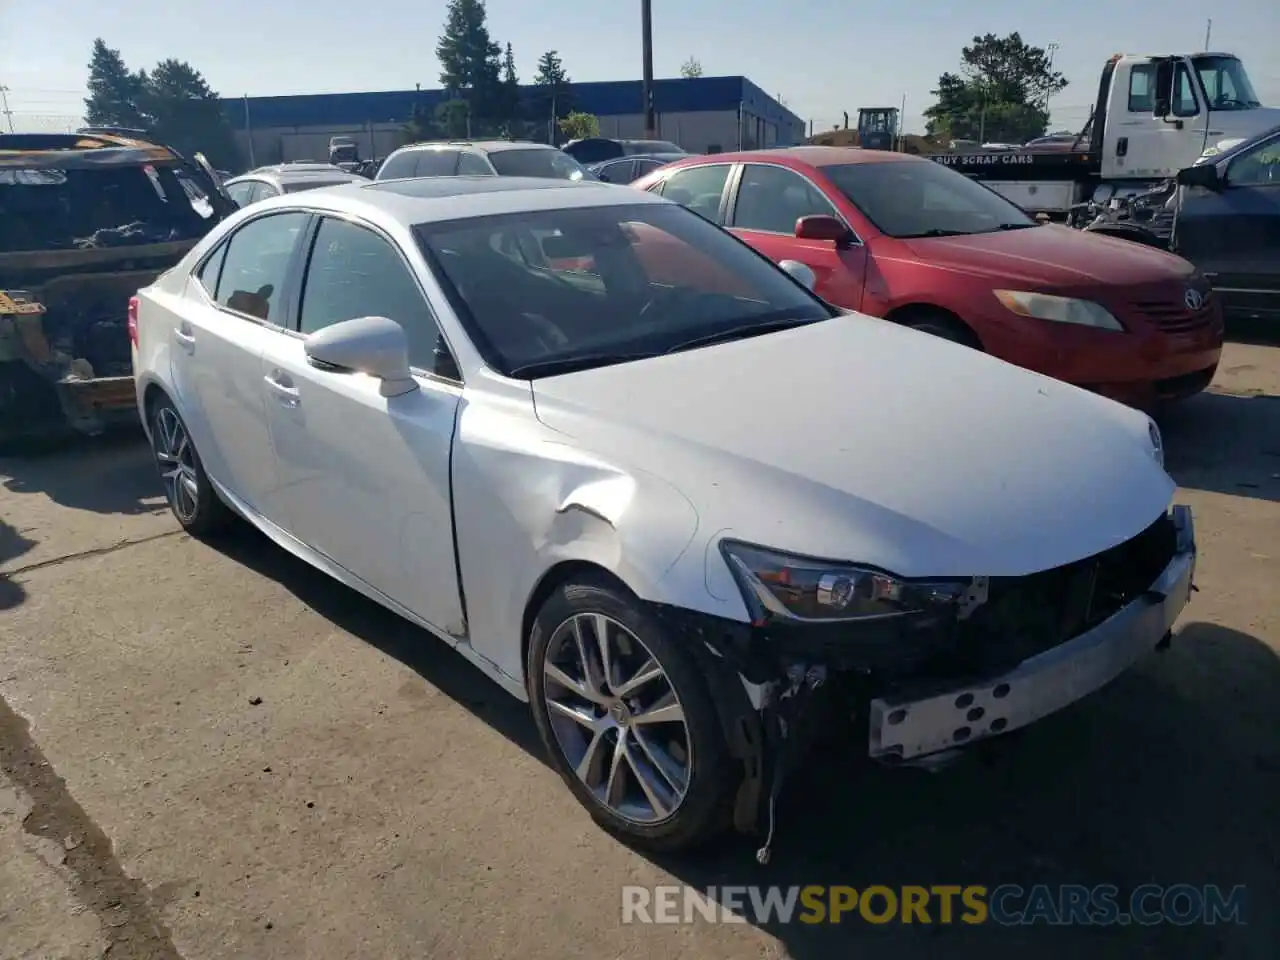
{"type": "Point", "coordinates": [191, 496]}
{"type": "Point", "coordinates": [627, 718]}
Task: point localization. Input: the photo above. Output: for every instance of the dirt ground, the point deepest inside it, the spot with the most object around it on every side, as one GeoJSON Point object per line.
{"type": "Point", "coordinates": [219, 753]}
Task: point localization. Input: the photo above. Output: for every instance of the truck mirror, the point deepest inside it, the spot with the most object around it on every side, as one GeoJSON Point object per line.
{"type": "Point", "coordinates": [1162, 102]}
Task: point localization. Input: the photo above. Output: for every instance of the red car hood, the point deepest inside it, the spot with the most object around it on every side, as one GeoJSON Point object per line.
{"type": "Point", "coordinates": [1051, 256]}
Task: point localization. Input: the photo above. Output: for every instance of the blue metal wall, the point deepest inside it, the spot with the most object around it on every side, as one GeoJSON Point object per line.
{"type": "Point", "coordinates": [604, 99]}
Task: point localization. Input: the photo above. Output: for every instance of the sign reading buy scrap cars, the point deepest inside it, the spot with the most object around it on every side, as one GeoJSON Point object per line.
{"type": "Point", "coordinates": [982, 159]}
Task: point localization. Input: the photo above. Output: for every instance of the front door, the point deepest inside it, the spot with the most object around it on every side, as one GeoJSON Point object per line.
{"type": "Point", "coordinates": [226, 320]}
{"type": "Point", "coordinates": [769, 201]}
{"type": "Point", "coordinates": [365, 479]}
{"type": "Point", "coordinates": [1234, 235]}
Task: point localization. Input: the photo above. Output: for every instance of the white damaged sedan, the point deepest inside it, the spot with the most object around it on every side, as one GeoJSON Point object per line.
{"type": "Point", "coordinates": [646, 481]}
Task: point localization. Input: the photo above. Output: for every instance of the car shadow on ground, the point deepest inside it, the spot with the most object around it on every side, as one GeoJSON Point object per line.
{"type": "Point", "coordinates": [1225, 443]}
{"type": "Point", "coordinates": [1171, 775]}
{"type": "Point", "coordinates": [12, 545]}
{"type": "Point", "coordinates": [432, 659]}
{"type": "Point", "coordinates": [113, 473]}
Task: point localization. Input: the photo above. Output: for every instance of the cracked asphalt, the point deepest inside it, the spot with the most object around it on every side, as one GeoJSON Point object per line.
{"type": "Point", "coordinates": [215, 752]}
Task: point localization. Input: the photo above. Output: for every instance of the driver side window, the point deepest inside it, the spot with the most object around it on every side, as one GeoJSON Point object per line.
{"type": "Point", "coordinates": [256, 265]}
{"type": "Point", "coordinates": [1259, 167]}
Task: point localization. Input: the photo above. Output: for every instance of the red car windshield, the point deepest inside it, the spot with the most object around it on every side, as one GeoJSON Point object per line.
{"type": "Point", "coordinates": [924, 199]}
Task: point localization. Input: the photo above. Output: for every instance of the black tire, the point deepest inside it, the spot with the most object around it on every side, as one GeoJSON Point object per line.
{"type": "Point", "coordinates": [705, 810]}
{"type": "Point", "coordinates": [944, 327]}
{"type": "Point", "coordinates": [209, 515]}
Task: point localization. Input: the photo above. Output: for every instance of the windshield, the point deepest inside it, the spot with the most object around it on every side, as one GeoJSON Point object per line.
{"type": "Point", "coordinates": [922, 199]}
{"type": "Point", "coordinates": [651, 146]}
{"type": "Point", "coordinates": [1226, 85]}
{"type": "Point", "coordinates": [598, 285]}
{"type": "Point", "coordinates": [50, 209]}
{"type": "Point", "coordinates": [547, 164]}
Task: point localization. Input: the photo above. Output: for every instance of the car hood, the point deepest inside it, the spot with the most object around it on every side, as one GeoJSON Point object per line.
{"type": "Point", "coordinates": [1051, 256]}
{"type": "Point", "coordinates": [859, 440]}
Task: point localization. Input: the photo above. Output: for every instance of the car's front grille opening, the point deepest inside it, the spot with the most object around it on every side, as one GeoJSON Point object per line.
{"type": "Point", "coordinates": [1173, 316]}
{"type": "Point", "coordinates": [1024, 616]}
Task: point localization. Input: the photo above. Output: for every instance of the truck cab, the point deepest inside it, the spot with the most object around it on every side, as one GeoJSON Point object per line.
{"type": "Point", "coordinates": [1158, 114]}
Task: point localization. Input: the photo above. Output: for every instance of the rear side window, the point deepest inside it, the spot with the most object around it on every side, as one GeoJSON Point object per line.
{"type": "Point", "coordinates": [436, 163]}
{"type": "Point", "coordinates": [698, 188]}
{"type": "Point", "coordinates": [241, 192]}
{"type": "Point", "coordinates": [469, 165]}
{"type": "Point", "coordinates": [256, 264]}
{"type": "Point", "coordinates": [48, 209]}
{"type": "Point", "coordinates": [208, 274]}
{"type": "Point", "coordinates": [399, 165]}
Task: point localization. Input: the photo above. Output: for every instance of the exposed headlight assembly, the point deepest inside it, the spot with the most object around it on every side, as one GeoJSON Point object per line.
{"type": "Point", "coordinates": [804, 589]}
{"type": "Point", "coordinates": [1044, 306]}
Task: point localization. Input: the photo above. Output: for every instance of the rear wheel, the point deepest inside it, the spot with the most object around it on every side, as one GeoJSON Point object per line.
{"type": "Point", "coordinates": [627, 719]}
{"type": "Point", "coordinates": [191, 496]}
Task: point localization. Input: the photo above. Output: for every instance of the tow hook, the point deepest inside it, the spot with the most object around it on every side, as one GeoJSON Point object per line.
{"type": "Point", "coordinates": [790, 712]}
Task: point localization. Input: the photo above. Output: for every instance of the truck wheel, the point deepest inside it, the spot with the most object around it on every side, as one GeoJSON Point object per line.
{"type": "Point", "coordinates": [627, 719]}
{"type": "Point", "coordinates": [191, 496]}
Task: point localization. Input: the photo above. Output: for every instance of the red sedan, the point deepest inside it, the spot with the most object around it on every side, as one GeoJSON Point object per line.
{"type": "Point", "coordinates": [907, 239]}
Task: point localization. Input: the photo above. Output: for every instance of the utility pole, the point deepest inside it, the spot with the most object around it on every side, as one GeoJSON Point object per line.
{"type": "Point", "coordinates": [248, 132]}
{"type": "Point", "coordinates": [1208, 32]}
{"type": "Point", "coordinates": [1052, 49]}
{"type": "Point", "coordinates": [646, 31]}
{"type": "Point", "coordinates": [4, 106]}
{"type": "Point", "coordinates": [902, 118]}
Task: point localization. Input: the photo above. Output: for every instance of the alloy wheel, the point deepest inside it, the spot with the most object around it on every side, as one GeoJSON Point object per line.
{"type": "Point", "coordinates": [176, 458]}
{"type": "Point", "coordinates": [616, 718]}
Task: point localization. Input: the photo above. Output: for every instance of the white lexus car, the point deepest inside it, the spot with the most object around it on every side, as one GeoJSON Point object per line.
{"type": "Point", "coordinates": [645, 480]}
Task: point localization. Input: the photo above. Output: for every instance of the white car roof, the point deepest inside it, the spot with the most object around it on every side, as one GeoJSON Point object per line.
{"type": "Point", "coordinates": [431, 199]}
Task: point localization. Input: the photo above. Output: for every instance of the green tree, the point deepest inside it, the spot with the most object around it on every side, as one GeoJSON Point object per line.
{"type": "Point", "coordinates": [114, 91]}
{"type": "Point", "coordinates": [453, 119]}
{"type": "Point", "coordinates": [553, 99]}
{"type": "Point", "coordinates": [509, 94]}
{"type": "Point", "coordinates": [999, 93]}
{"type": "Point", "coordinates": [186, 114]}
{"type": "Point", "coordinates": [691, 68]}
{"type": "Point", "coordinates": [470, 64]}
{"type": "Point", "coordinates": [577, 125]}
{"type": "Point", "coordinates": [421, 125]}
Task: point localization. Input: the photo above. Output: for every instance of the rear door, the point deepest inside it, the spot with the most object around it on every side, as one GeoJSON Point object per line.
{"type": "Point", "coordinates": [768, 201]}
{"type": "Point", "coordinates": [232, 309]}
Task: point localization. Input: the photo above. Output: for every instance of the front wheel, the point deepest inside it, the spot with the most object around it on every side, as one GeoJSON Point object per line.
{"type": "Point", "coordinates": [627, 719]}
{"type": "Point", "coordinates": [191, 496]}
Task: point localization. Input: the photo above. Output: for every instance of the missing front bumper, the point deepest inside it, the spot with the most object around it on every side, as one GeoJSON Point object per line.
{"type": "Point", "coordinates": [904, 729]}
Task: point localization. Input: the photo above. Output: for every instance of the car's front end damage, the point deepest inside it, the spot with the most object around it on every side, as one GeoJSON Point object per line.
{"type": "Point", "coordinates": [925, 668]}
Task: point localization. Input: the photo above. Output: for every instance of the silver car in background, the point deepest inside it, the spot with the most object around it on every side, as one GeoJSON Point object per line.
{"type": "Point", "coordinates": [263, 183]}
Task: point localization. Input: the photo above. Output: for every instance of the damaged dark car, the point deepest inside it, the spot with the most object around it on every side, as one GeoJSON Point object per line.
{"type": "Point", "coordinates": [85, 220]}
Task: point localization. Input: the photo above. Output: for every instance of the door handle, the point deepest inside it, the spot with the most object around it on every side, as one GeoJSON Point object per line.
{"type": "Point", "coordinates": [185, 339]}
{"type": "Point", "coordinates": [279, 384]}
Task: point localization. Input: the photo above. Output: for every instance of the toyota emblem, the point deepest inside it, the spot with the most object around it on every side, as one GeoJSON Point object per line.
{"type": "Point", "coordinates": [1194, 299]}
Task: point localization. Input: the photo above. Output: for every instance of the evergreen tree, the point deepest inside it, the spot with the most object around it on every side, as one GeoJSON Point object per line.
{"type": "Point", "coordinates": [509, 99]}
{"type": "Point", "coordinates": [114, 92]}
{"type": "Point", "coordinates": [553, 100]}
{"type": "Point", "coordinates": [470, 62]}
{"type": "Point", "coordinates": [187, 115]}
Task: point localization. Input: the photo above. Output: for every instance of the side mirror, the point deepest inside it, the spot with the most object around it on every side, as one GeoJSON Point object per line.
{"type": "Point", "coordinates": [1162, 102]}
{"type": "Point", "coordinates": [821, 227]}
{"type": "Point", "coordinates": [800, 273]}
{"type": "Point", "coordinates": [372, 345]}
{"type": "Point", "coordinates": [1202, 175]}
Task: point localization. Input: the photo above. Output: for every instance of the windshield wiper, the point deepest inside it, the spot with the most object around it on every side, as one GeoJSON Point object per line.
{"type": "Point", "coordinates": [934, 232]}
{"type": "Point", "coordinates": [738, 333]}
{"type": "Point", "coordinates": [586, 361]}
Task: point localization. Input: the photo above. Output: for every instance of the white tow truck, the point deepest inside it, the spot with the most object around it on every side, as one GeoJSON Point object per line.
{"type": "Point", "coordinates": [1154, 115]}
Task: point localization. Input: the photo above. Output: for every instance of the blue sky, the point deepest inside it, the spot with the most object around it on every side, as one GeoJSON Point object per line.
{"type": "Point", "coordinates": [822, 57]}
